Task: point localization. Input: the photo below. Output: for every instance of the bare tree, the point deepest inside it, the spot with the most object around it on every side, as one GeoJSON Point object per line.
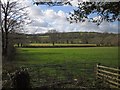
{"type": "Point", "coordinates": [85, 38]}
{"type": "Point", "coordinates": [0, 51]}
{"type": "Point", "coordinates": [13, 18]}
{"type": "Point", "coordinates": [53, 36]}
{"type": "Point", "coordinates": [103, 37]}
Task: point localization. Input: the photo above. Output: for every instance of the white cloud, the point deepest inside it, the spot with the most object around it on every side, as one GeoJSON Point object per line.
{"type": "Point", "coordinates": [62, 14]}
{"type": "Point", "coordinates": [109, 27]}
{"type": "Point", "coordinates": [74, 2]}
{"type": "Point", "coordinates": [49, 19]}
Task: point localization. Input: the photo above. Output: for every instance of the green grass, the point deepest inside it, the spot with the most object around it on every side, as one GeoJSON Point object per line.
{"type": "Point", "coordinates": [50, 44]}
{"type": "Point", "coordinates": [64, 64]}
{"type": "Point", "coordinates": [105, 55]}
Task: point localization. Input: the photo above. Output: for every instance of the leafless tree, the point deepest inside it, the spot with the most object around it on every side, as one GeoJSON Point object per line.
{"type": "Point", "coordinates": [85, 38]}
{"type": "Point", "coordinates": [13, 18]}
{"type": "Point", "coordinates": [0, 51]}
{"type": "Point", "coordinates": [53, 36]}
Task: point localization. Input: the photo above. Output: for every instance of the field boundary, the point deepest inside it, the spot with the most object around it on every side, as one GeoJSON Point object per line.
{"type": "Point", "coordinates": [109, 75]}
{"type": "Point", "coordinates": [54, 46]}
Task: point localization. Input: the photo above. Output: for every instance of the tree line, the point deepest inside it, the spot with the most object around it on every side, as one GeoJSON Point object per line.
{"type": "Point", "coordinates": [100, 39]}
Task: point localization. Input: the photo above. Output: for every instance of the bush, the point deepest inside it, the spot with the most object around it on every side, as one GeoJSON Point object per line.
{"type": "Point", "coordinates": [19, 80]}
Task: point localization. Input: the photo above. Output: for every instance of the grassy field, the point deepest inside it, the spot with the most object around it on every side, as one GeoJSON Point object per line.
{"type": "Point", "coordinates": [65, 64]}
{"type": "Point", "coordinates": [104, 55]}
{"type": "Point", "coordinates": [50, 44]}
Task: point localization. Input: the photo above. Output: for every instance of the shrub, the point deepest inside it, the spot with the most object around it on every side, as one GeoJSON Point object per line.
{"type": "Point", "coordinates": [21, 79]}
{"type": "Point", "coordinates": [17, 80]}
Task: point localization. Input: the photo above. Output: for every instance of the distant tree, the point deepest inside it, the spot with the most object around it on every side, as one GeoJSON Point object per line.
{"type": "Point", "coordinates": [53, 36]}
{"type": "Point", "coordinates": [103, 36]}
{"type": "Point", "coordinates": [104, 39]}
{"type": "Point", "coordinates": [85, 38]}
{"type": "Point", "coordinates": [13, 18]}
{"type": "Point", "coordinates": [19, 39]}
{"type": "Point", "coordinates": [115, 40]}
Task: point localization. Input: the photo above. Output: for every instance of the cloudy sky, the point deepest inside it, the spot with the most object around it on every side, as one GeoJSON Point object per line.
{"type": "Point", "coordinates": [45, 18]}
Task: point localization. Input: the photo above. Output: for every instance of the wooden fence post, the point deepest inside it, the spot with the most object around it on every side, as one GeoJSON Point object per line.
{"type": "Point", "coordinates": [118, 77]}
{"type": "Point", "coordinates": [109, 75]}
{"type": "Point", "coordinates": [97, 70]}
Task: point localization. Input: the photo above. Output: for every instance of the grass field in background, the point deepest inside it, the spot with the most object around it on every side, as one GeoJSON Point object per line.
{"type": "Point", "coordinates": [38, 44]}
{"type": "Point", "coordinates": [56, 44]}
{"type": "Point", "coordinates": [104, 55]}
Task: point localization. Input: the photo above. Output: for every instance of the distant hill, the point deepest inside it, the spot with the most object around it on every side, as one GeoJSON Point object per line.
{"type": "Point", "coordinates": [100, 39]}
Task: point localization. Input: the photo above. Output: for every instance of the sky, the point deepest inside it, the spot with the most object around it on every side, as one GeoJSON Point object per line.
{"type": "Point", "coordinates": [46, 18]}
